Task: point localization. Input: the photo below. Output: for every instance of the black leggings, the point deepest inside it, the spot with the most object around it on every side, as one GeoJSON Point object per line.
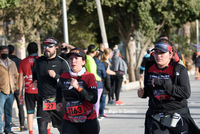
{"type": "Point", "coordinates": [89, 127]}
{"type": "Point", "coordinates": [154, 127]}
{"type": "Point", "coordinates": [118, 84]}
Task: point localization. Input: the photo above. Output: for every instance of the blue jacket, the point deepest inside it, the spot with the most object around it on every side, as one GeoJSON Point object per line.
{"type": "Point", "coordinates": [101, 72]}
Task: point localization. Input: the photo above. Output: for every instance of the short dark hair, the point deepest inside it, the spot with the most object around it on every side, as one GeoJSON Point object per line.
{"type": "Point", "coordinates": [163, 35]}
{"type": "Point", "coordinates": [91, 48]}
{"type": "Point", "coordinates": [3, 47]}
{"type": "Point", "coordinates": [11, 49]}
{"type": "Point", "coordinates": [32, 48]}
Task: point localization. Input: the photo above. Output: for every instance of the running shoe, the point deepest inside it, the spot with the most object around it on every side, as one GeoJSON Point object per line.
{"type": "Point", "coordinates": [119, 102]}
{"type": "Point", "coordinates": [111, 102]}
{"type": "Point", "coordinates": [105, 115]}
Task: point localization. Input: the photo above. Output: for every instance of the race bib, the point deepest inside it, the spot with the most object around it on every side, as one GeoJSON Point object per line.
{"type": "Point", "coordinates": [74, 108]}
{"type": "Point", "coordinates": [49, 104]}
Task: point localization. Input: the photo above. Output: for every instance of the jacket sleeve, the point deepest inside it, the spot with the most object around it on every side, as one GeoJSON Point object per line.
{"type": "Point", "coordinates": [181, 89]}
{"type": "Point", "coordinates": [59, 93]}
{"type": "Point", "coordinates": [65, 68]}
{"type": "Point", "coordinates": [91, 93]}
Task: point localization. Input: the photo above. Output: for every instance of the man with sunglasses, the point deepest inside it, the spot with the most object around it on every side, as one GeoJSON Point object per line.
{"type": "Point", "coordinates": [46, 73]}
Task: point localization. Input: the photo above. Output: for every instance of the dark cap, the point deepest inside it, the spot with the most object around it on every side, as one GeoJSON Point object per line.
{"type": "Point", "coordinates": [92, 48]}
{"type": "Point", "coordinates": [163, 47]}
{"type": "Point", "coordinates": [78, 52]}
{"type": "Point", "coordinates": [50, 41]}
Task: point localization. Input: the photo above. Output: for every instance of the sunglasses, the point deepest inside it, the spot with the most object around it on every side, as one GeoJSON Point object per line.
{"type": "Point", "coordinates": [49, 46]}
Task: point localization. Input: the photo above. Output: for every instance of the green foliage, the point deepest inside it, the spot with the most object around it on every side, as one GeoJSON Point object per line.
{"type": "Point", "coordinates": [8, 3]}
{"type": "Point", "coordinates": [185, 48]}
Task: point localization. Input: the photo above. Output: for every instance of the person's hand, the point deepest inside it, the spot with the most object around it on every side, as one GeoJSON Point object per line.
{"type": "Point", "coordinates": [35, 84]}
{"type": "Point", "coordinates": [100, 80]}
{"type": "Point", "coordinates": [152, 82]}
{"type": "Point", "coordinates": [59, 106]}
{"type": "Point", "coordinates": [52, 73]}
{"type": "Point", "coordinates": [74, 83]}
{"type": "Point", "coordinates": [20, 94]}
{"type": "Point", "coordinates": [140, 92]}
{"type": "Point", "coordinates": [64, 45]}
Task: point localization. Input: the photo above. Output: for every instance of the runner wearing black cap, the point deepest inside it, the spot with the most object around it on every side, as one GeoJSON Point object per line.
{"type": "Point", "coordinates": [79, 89]}
{"type": "Point", "coordinates": [46, 72]}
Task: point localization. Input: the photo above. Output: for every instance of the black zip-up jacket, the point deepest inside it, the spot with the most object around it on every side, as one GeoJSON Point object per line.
{"type": "Point", "coordinates": [46, 84]}
{"type": "Point", "coordinates": [179, 89]}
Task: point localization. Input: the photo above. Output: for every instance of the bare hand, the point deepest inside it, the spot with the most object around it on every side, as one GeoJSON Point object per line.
{"type": "Point", "coordinates": [74, 83]}
{"type": "Point", "coordinates": [152, 82]}
{"type": "Point", "coordinates": [140, 92]}
{"type": "Point", "coordinates": [64, 45]}
{"type": "Point", "coordinates": [20, 94]}
{"type": "Point", "coordinates": [59, 106]}
{"type": "Point", "coordinates": [35, 84]}
{"type": "Point", "coordinates": [52, 73]}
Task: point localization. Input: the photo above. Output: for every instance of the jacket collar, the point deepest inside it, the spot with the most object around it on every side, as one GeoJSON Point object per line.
{"type": "Point", "coordinates": [2, 64]}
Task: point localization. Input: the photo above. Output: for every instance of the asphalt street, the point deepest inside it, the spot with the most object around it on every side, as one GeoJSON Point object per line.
{"type": "Point", "coordinates": [129, 118]}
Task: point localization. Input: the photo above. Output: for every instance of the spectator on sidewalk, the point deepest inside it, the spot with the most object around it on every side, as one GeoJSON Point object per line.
{"type": "Point", "coordinates": [118, 66]}
{"type": "Point", "coordinates": [101, 48]}
{"type": "Point", "coordinates": [106, 58]}
{"type": "Point", "coordinates": [197, 65]}
{"type": "Point", "coordinates": [107, 89]}
{"type": "Point", "coordinates": [90, 64]}
{"type": "Point", "coordinates": [16, 93]}
{"type": "Point", "coordinates": [101, 72]}
{"type": "Point", "coordinates": [8, 84]}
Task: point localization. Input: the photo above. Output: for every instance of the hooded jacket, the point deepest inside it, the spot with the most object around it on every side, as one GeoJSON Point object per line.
{"type": "Point", "coordinates": [8, 77]}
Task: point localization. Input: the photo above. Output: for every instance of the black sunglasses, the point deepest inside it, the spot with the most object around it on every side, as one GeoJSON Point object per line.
{"type": "Point", "coordinates": [49, 46]}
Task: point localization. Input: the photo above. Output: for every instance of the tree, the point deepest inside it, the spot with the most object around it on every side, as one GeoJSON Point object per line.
{"type": "Point", "coordinates": [31, 17]}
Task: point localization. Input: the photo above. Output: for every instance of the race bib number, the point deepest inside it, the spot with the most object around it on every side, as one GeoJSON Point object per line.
{"type": "Point", "coordinates": [74, 108]}
{"type": "Point", "coordinates": [49, 104]}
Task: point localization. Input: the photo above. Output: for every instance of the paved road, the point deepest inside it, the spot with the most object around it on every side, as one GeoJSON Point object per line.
{"type": "Point", "coordinates": [129, 118]}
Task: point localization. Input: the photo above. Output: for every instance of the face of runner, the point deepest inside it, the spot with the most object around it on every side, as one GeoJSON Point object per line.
{"type": "Point", "coordinates": [162, 58]}
{"type": "Point", "coordinates": [50, 51]}
{"type": "Point", "coordinates": [76, 63]}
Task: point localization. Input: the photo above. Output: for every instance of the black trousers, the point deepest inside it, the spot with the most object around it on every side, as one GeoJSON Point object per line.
{"type": "Point", "coordinates": [20, 108]}
{"type": "Point", "coordinates": [118, 84]}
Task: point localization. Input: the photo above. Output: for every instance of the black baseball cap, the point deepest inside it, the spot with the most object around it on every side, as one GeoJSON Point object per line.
{"type": "Point", "coordinates": [78, 52]}
{"type": "Point", "coordinates": [50, 41]}
{"type": "Point", "coordinates": [163, 47]}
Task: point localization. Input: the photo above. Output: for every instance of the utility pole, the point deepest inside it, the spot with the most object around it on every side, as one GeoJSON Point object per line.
{"type": "Point", "coordinates": [65, 25]}
{"type": "Point", "coordinates": [101, 23]}
{"type": "Point", "coordinates": [197, 28]}
{"type": "Point", "coordinates": [5, 36]}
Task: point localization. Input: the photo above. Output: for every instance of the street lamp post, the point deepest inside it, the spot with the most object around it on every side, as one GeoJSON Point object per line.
{"type": "Point", "coordinates": [65, 27]}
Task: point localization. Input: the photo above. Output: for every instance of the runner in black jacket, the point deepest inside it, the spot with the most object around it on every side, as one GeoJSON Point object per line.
{"type": "Point", "coordinates": [46, 72]}
{"type": "Point", "coordinates": [167, 85]}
